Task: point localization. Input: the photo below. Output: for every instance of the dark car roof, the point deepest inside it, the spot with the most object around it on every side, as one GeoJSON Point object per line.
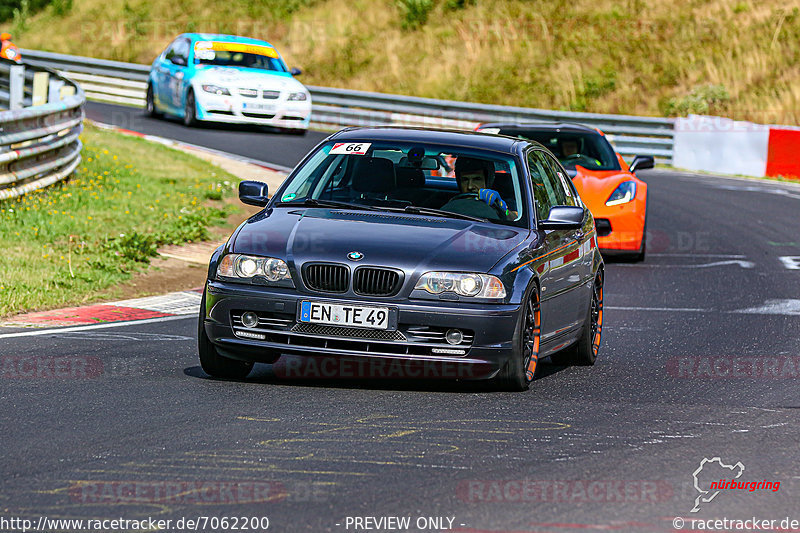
{"type": "Point", "coordinates": [464, 139]}
{"type": "Point", "coordinates": [543, 126]}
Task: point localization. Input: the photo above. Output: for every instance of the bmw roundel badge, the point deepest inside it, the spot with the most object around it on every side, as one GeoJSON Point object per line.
{"type": "Point", "coordinates": [355, 256]}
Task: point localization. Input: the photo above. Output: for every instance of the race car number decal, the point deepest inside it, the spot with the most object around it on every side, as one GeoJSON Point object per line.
{"type": "Point", "coordinates": [350, 148]}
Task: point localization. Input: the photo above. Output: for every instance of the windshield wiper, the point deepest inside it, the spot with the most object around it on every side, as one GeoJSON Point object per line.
{"type": "Point", "coordinates": [416, 210]}
{"type": "Point", "coordinates": [313, 202]}
{"type": "Point", "coordinates": [411, 209]}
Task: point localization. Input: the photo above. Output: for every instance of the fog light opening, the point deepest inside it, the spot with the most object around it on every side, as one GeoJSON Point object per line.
{"type": "Point", "coordinates": [454, 336]}
{"type": "Point", "coordinates": [249, 319]}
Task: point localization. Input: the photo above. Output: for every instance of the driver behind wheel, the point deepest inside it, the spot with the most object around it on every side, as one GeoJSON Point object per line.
{"type": "Point", "coordinates": [568, 147]}
{"type": "Point", "coordinates": [473, 175]}
{"type": "Point", "coordinates": [571, 151]}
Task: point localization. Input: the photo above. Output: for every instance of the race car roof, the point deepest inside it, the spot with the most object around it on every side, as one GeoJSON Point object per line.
{"type": "Point", "coordinates": [541, 126]}
{"type": "Point", "coordinates": [226, 38]}
{"type": "Point", "coordinates": [464, 139]}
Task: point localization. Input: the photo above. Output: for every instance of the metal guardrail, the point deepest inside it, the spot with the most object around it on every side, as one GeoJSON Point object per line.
{"type": "Point", "coordinates": [41, 118]}
{"type": "Point", "coordinates": [126, 83]}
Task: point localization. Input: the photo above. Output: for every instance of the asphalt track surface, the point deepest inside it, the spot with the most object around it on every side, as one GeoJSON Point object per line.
{"type": "Point", "coordinates": [250, 141]}
{"type": "Point", "coordinates": [611, 447]}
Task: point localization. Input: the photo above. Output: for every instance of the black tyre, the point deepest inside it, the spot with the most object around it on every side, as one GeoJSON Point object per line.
{"type": "Point", "coordinates": [584, 352]}
{"type": "Point", "coordinates": [520, 369]}
{"type": "Point", "coordinates": [300, 132]}
{"type": "Point", "coordinates": [639, 257]}
{"type": "Point", "coordinates": [150, 103]}
{"type": "Point", "coordinates": [190, 110]}
{"type": "Point", "coordinates": [212, 363]}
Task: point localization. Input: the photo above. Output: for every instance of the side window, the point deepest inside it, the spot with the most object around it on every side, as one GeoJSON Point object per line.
{"type": "Point", "coordinates": [555, 190]}
{"type": "Point", "coordinates": [541, 194]}
{"type": "Point", "coordinates": [561, 181]}
{"type": "Point", "coordinates": [180, 52]}
{"type": "Point", "coordinates": [170, 53]}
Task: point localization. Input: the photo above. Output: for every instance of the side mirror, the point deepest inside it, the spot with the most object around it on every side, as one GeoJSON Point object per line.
{"type": "Point", "coordinates": [641, 162]}
{"type": "Point", "coordinates": [295, 71]}
{"type": "Point", "coordinates": [253, 193]}
{"type": "Point", "coordinates": [563, 217]}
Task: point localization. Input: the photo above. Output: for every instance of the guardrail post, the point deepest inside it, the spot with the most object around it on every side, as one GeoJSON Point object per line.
{"type": "Point", "coordinates": [54, 90]}
{"type": "Point", "coordinates": [16, 87]}
{"type": "Point", "coordinates": [40, 80]}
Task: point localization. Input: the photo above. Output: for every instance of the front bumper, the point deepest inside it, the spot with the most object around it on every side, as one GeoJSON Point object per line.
{"type": "Point", "coordinates": [620, 228]}
{"type": "Point", "coordinates": [239, 110]}
{"type": "Point", "coordinates": [415, 335]}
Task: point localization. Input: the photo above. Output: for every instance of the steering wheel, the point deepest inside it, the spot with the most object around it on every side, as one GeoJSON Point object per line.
{"type": "Point", "coordinates": [570, 157]}
{"type": "Point", "coordinates": [474, 196]}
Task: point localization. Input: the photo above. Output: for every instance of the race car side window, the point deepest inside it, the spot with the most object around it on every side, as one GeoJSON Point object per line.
{"type": "Point", "coordinates": [170, 52]}
{"type": "Point", "coordinates": [559, 180]}
{"type": "Point", "coordinates": [555, 190]}
{"type": "Point", "coordinates": [181, 52]}
{"type": "Point", "coordinates": [542, 196]}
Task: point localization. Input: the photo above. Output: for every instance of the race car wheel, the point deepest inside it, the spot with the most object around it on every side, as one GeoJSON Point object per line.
{"type": "Point", "coordinates": [639, 257]}
{"type": "Point", "coordinates": [584, 352]}
{"type": "Point", "coordinates": [150, 103]}
{"type": "Point", "coordinates": [212, 363]}
{"type": "Point", "coordinates": [295, 131]}
{"type": "Point", "coordinates": [190, 110]}
{"type": "Point", "coordinates": [520, 369]}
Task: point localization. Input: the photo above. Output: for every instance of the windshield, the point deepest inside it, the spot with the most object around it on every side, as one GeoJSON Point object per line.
{"type": "Point", "coordinates": [223, 54]}
{"type": "Point", "coordinates": [589, 150]}
{"type": "Point", "coordinates": [398, 176]}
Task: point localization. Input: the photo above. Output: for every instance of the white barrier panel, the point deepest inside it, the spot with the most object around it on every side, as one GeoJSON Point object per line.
{"type": "Point", "coordinates": [720, 145]}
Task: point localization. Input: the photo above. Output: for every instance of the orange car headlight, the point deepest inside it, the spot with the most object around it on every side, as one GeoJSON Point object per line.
{"type": "Point", "coordinates": [624, 193]}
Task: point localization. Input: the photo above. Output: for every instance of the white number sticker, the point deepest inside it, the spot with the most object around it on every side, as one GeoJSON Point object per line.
{"type": "Point", "coordinates": [350, 148]}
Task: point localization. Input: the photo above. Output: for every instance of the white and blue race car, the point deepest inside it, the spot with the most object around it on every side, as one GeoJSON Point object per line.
{"type": "Point", "coordinates": [225, 78]}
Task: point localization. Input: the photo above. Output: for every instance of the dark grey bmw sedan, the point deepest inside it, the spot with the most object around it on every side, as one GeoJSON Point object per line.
{"type": "Point", "coordinates": [410, 248]}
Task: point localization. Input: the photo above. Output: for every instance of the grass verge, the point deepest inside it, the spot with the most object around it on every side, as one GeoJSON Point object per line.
{"type": "Point", "coordinates": [71, 243]}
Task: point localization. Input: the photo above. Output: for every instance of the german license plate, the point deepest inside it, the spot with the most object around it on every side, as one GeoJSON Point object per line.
{"type": "Point", "coordinates": [344, 315]}
{"type": "Point", "coordinates": [258, 107]}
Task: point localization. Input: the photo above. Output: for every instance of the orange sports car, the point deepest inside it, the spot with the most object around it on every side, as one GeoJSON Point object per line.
{"type": "Point", "coordinates": [607, 184]}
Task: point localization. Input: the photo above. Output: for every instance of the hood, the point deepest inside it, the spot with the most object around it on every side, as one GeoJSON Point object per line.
{"type": "Point", "coordinates": [409, 242]}
{"type": "Point", "coordinates": [247, 77]}
{"type": "Point", "coordinates": [599, 184]}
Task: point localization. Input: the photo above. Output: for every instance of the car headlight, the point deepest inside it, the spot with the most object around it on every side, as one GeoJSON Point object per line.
{"type": "Point", "coordinates": [298, 97]}
{"type": "Point", "coordinates": [247, 267]}
{"type": "Point", "coordinates": [624, 193]}
{"type": "Point", "coordinates": [216, 89]}
{"type": "Point", "coordinates": [463, 284]}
